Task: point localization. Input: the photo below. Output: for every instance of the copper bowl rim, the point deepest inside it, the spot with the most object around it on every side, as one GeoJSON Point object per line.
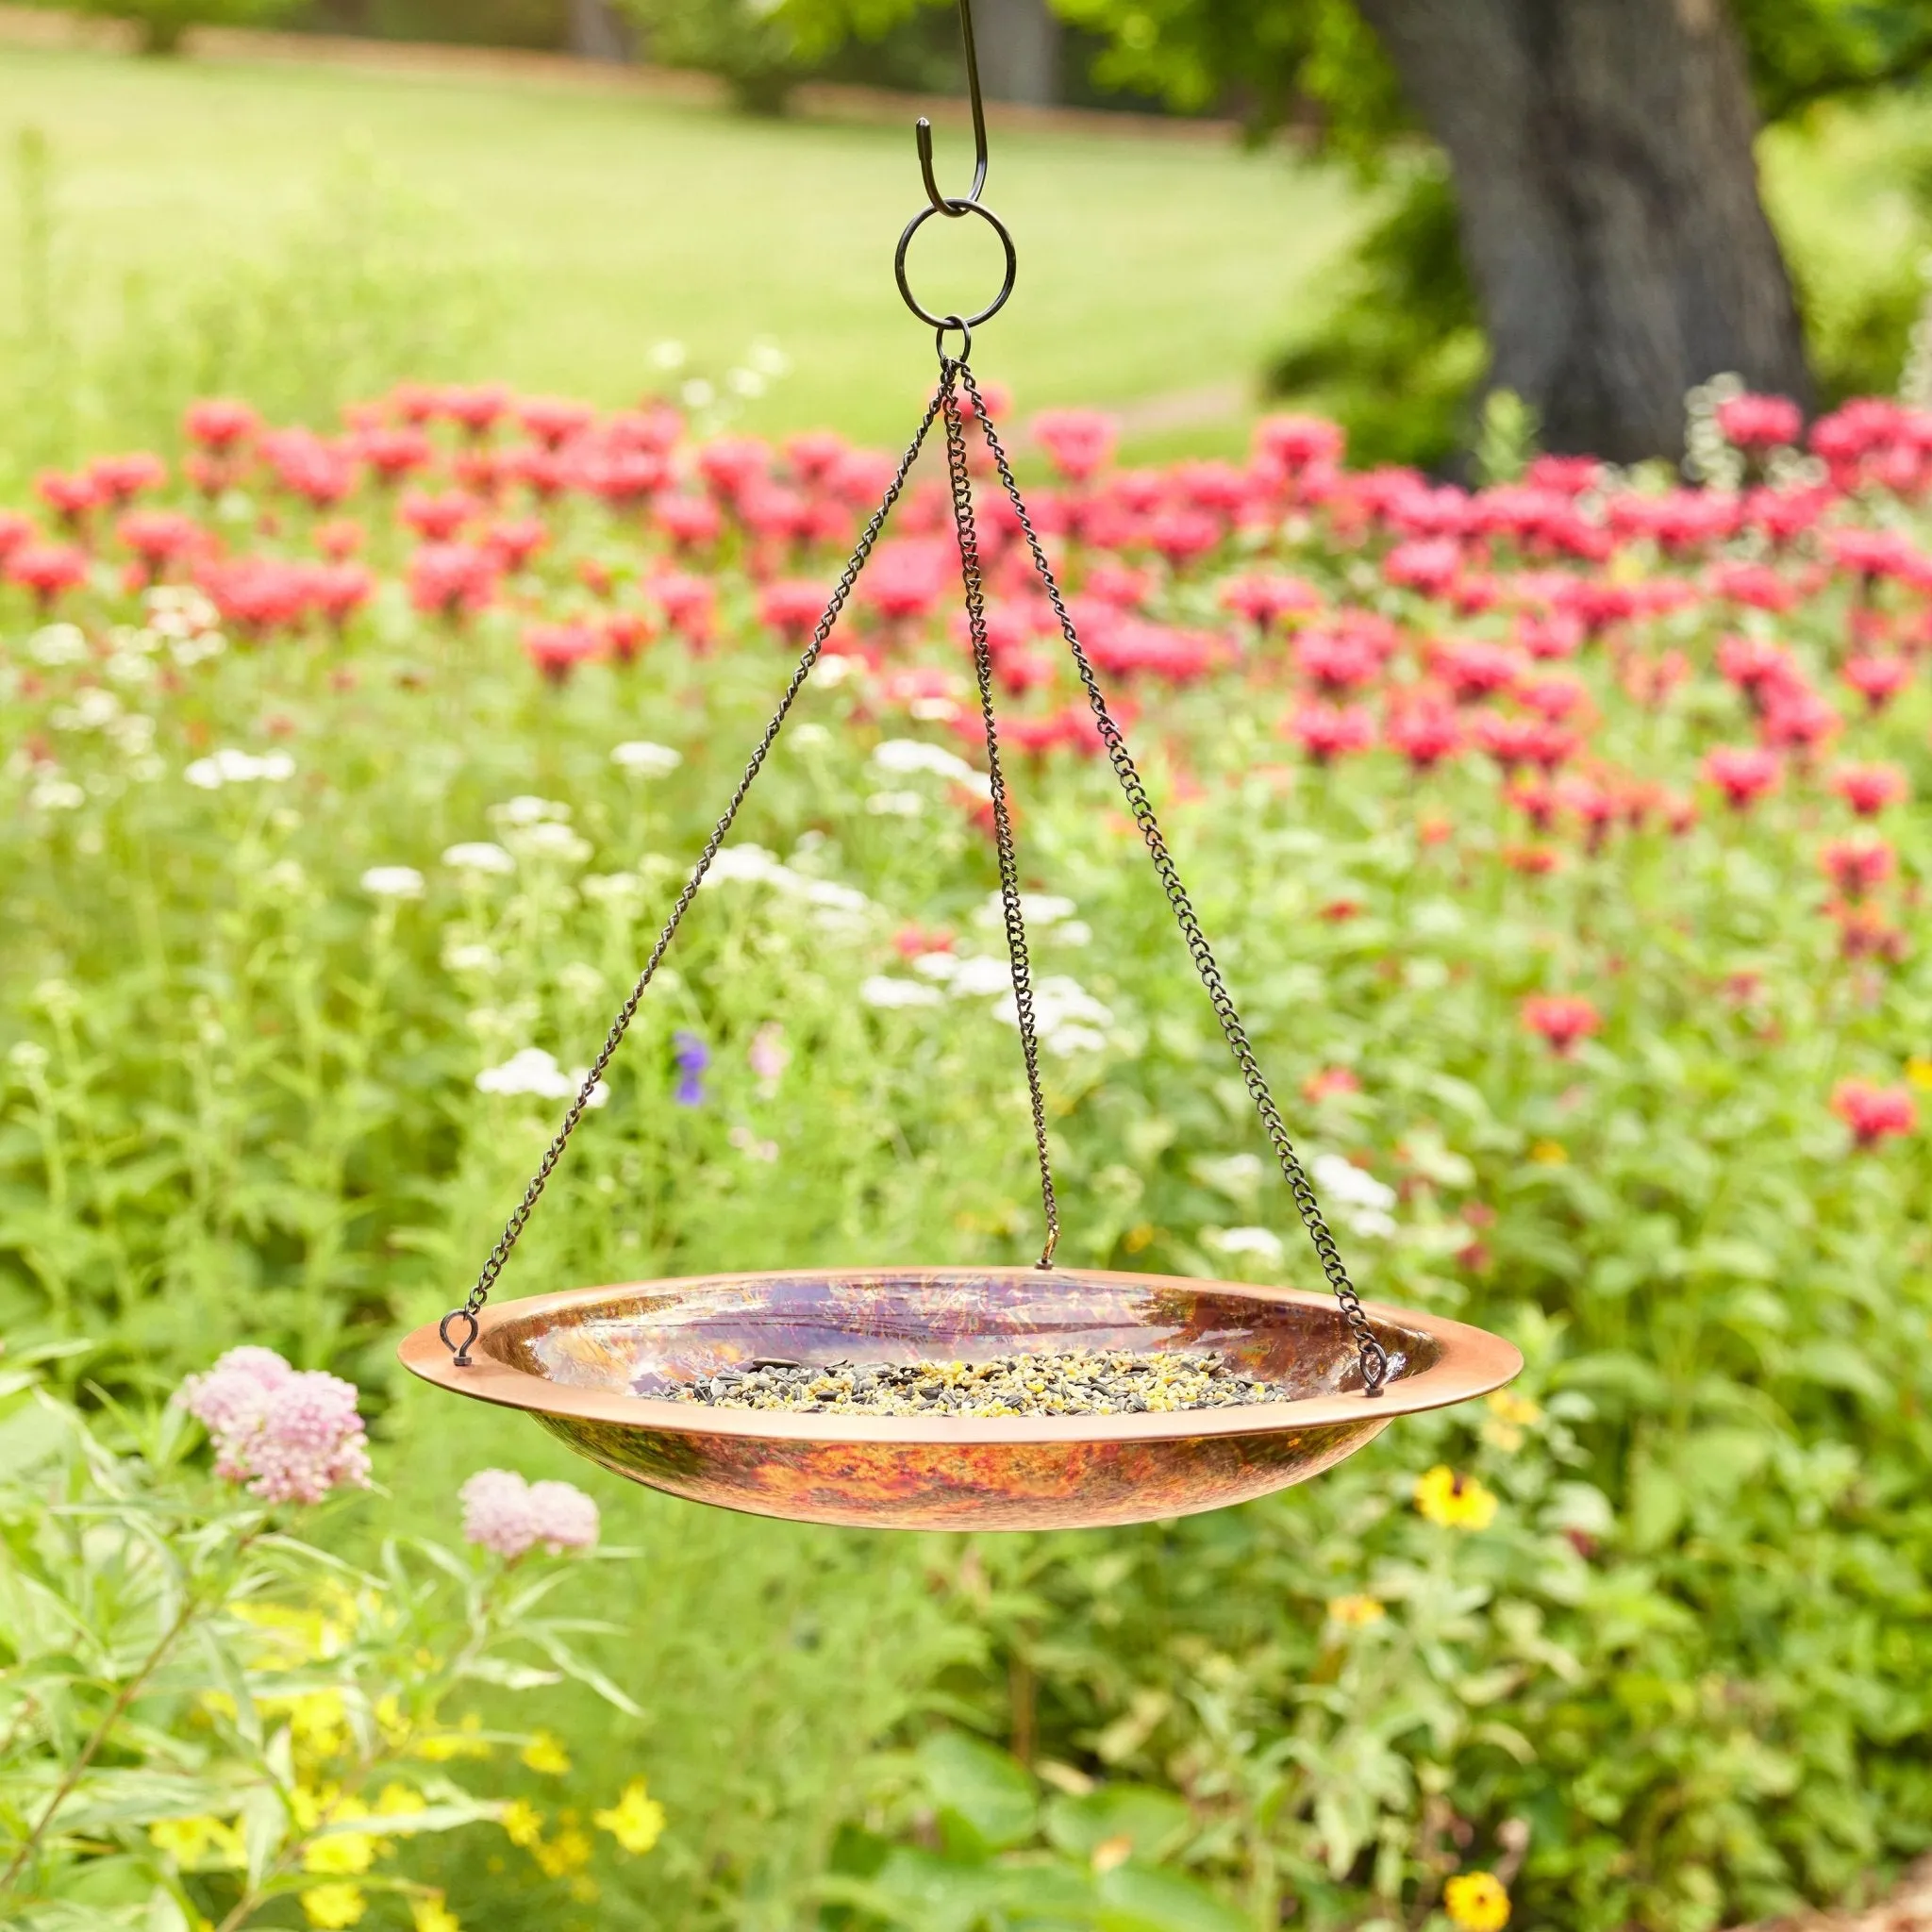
{"type": "Point", "coordinates": [1472, 1362]}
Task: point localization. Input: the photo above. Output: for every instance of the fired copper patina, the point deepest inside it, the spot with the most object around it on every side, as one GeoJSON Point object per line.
{"type": "Point", "coordinates": [593, 1366]}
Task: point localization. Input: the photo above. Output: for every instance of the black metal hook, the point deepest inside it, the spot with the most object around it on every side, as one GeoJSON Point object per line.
{"type": "Point", "coordinates": [948, 205]}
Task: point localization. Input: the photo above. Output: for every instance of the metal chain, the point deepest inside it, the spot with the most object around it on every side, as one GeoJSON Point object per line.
{"type": "Point", "coordinates": [514, 1227]}
{"type": "Point", "coordinates": [1372, 1356]}
{"type": "Point", "coordinates": [1002, 813]}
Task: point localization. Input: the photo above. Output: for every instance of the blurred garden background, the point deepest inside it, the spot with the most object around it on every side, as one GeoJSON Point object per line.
{"type": "Point", "coordinates": [427, 436]}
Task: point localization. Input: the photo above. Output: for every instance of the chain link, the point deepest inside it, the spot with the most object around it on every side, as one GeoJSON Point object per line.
{"type": "Point", "coordinates": [1002, 811]}
{"type": "Point", "coordinates": [626, 1013]}
{"type": "Point", "coordinates": [1372, 1356]}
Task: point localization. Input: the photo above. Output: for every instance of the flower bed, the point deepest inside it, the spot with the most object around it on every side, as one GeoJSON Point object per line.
{"type": "Point", "coordinates": [1560, 841]}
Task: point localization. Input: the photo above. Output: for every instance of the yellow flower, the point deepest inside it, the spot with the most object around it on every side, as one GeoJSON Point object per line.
{"type": "Point", "coordinates": [636, 1821]}
{"type": "Point", "coordinates": [1353, 1612]}
{"type": "Point", "coordinates": [193, 1841]}
{"type": "Point", "coordinates": [461, 1742]}
{"type": "Point", "coordinates": [1477, 1901]}
{"type": "Point", "coordinates": [569, 1851]}
{"type": "Point", "coordinates": [332, 1907]}
{"type": "Point", "coordinates": [544, 1754]}
{"type": "Point", "coordinates": [340, 1854]}
{"type": "Point", "coordinates": [399, 1800]}
{"type": "Point", "coordinates": [522, 1823]}
{"type": "Point", "coordinates": [1456, 1502]}
{"type": "Point", "coordinates": [1919, 1071]}
{"type": "Point", "coordinates": [1550, 1154]}
{"type": "Point", "coordinates": [431, 1915]}
{"type": "Point", "coordinates": [1506, 1405]}
{"type": "Point", "coordinates": [316, 1721]}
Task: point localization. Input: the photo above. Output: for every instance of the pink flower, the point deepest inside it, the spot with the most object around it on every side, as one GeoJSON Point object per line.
{"type": "Point", "coordinates": [1750, 422]}
{"type": "Point", "coordinates": [1742, 773]}
{"type": "Point", "coordinates": [46, 568]}
{"type": "Point", "coordinates": [1263, 599]}
{"type": "Point", "coordinates": [1295, 442]}
{"type": "Point", "coordinates": [554, 419]}
{"type": "Point", "coordinates": [793, 607]}
{"type": "Point", "coordinates": [1077, 441]}
{"type": "Point", "coordinates": [557, 649]}
{"type": "Point", "coordinates": [219, 423]}
{"type": "Point", "coordinates": [1562, 1019]}
{"type": "Point", "coordinates": [1877, 680]}
{"type": "Point", "coordinates": [1425, 735]}
{"type": "Point", "coordinates": [436, 515]}
{"type": "Point", "coordinates": [509, 1517]}
{"type": "Point", "coordinates": [452, 578]}
{"type": "Point", "coordinates": [1868, 789]}
{"type": "Point", "coordinates": [291, 1436]}
{"type": "Point", "coordinates": [1330, 1082]}
{"type": "Point", "coordinates": [1327, 732]}
{"type": "Point", "coordinates": [1872, 1111]}
{"type": "Point", "coordinates": [121, 478]}
{"type": "Point", "coordinates": [1854, 866]}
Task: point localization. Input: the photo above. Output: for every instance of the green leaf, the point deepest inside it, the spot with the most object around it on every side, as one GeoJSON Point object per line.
{"type": "Point", "coordinates": [1134, 1899]}
{"type": "Point", "coordinates": [981, 1788]}
{"type": "Point", "coordinates": [1152, 1822]}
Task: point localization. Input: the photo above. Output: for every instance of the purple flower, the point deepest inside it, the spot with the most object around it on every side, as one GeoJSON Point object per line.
{"type": "Point", "coordinates": [509, 1515]}
{"type": "Point", "coordinates": [291, 1436]}
{"type": "Point", "coordinates": [692, 1057]}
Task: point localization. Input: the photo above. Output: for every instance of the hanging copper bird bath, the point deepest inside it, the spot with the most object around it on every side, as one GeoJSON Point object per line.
{"type": "Point", "coordinates": [596, 1366]}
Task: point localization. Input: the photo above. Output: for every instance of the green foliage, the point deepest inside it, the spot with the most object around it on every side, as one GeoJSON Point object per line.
{"type": "Point", "coordinates": [202, 1713]}
{"type": "Point", "coordinates": [1396, 354]}
{"type": "Point", "coordinates": [746, 43]}
{"type": "Point", "coordinates": [358, 288]}
{"type": "Point", "coordinates": [161, 24]}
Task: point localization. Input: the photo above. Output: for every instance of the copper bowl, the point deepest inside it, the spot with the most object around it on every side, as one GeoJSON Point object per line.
{"type": "Point", "coordinates": [591, 1364]}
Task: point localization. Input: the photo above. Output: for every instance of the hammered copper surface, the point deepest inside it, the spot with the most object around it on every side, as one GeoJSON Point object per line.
{"type": "Point", "coordinates": [593, 1365]}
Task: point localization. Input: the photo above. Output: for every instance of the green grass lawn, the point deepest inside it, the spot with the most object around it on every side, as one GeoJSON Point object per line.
{"type": "Point", "coordinates": [605, 223]}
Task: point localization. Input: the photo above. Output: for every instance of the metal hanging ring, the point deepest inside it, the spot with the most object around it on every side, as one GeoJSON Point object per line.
{"type": "Point", "coordinates": [912, 300]}
{"type": "Point", "coordinates": [947, 328]}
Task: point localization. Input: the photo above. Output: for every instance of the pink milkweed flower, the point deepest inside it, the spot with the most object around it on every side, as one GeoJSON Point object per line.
{"type": "Point", "coordinates": [1868, 789]}
{"type": "Point", "coordinates": [557, 649]}
{"type": "Point", "coordinates": [1427, 565]}
{"type": "Point", "coordinates": [451, 578]}
{"type": "Point", "coordinates": [554, 419]}
{"type": "Point", "coordinates": [1473, 669]}
{"type": "Point", "coordinates": [1754, 422]}
{"type": "Point", "coordinates": [689, 605]}
{"type": "Point", "coordinates": [392, 452]}
{"type": "Point", "coordinates": [159, 536]}
{"type": "Point", "coordinates": [625, 633]}
{"type": "Point", "coordinates": [1265, 598]}
{"type": "Point", "coordinates": [1182, 535]}
{"type": "Point", "coordinates": [1078, 443]}
{"type": "Point", "coordinates": [1743, 773]}
{"type": "Point", "coordinates": [690, 522]}
{"type": "Point", "coordinates": [731, 464]}
{"type": "Point", "coordinates": [1872, 1111]}
{"type": "Point", "coordinates": [291, 1436]}
{"type": "Point", "coordinates": [46, 568]}
{"type": "Point", "coordinates": [1425, 735]}
{"type": "Point", "coordinates": [219, 423]}
{"type": "Point", "coordinates": [1877, 680]}
{"type": "Point", "coordinates": [121, 478]}
{"type": "Point", "coordinates": [1562, 1019]}
{"type": "Point", "coordinates": [513, 541]}
{"type": "Point", "coordinates": [793, 607]}
{"type": "Point", "coordinates": [1298, 443]}
{"type": "Point", "coordinates": [509, 1517]}
{"type": "Point", "coordinates": [436, 515]}
{"type": "Point", "coordinates": [1327, 732]}
{"type": "Point", "coordinates": [476, 408]}
{"type": "Point", "coordinates": [1856, 866]}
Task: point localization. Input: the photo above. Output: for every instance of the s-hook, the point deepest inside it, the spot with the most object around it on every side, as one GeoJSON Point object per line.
{"type": "Point", "coordinates": [946, 205]}
{"type": "Point", "coordinates": [954, 206]}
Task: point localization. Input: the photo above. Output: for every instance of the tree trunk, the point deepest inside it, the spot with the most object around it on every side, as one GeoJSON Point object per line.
{"type": "Point", "coordinates": [1602, 153]}
{"type": "Point", "coordinates": [597, 31]}
{"type": "Point", "coordinates": [1019, 48]}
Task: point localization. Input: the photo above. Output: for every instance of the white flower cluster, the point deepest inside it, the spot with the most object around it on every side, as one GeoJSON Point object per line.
{"type": "Point", "coordinates": [478, 856]}
{"type": "Point", "coordinates": [539, 828]}
{"type": "Point", "coordinates": [533, 1071]}
{"type": "Point", "coordinates": [393, 882]}
{"type": "Point", "coordinates": [230, 767]}
{"type": "Point", "coordinates": [97, 709]}
{"type": "Point", "coordinates": [1069, 1018]}
{"type": "Point", "coordinates": [643, 759]}
{"type": "Point", "coordinates": [1359, 1201]}
{"type": "Point", "coordinates": [188, 621]}
{"type": "Point", "coordinates": [834, 909]}
{"type": "Point", "coordinates": [55, 644]}
{"type": "Point", "coordinates": [1044, 912]}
